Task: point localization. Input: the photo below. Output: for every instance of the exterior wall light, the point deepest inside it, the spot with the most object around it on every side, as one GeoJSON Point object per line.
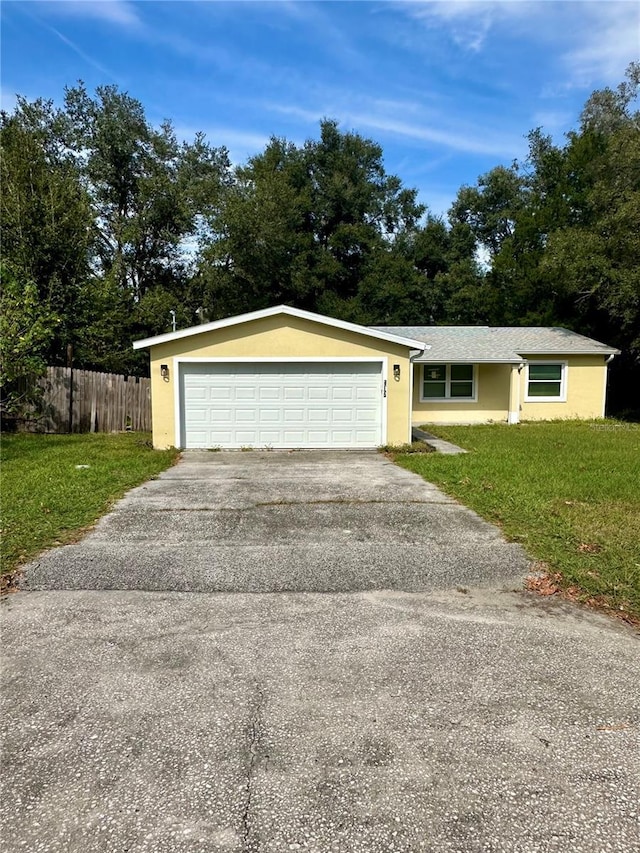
{"type": "Point", "coordinates": [396, 372]}
{"type": "Point", "coordinates": [164, 372]}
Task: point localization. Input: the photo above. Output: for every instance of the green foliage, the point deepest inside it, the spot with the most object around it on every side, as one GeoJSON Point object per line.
{"type": "Point", "coordinates": [98, 208]}
{"type": "Point", "coordinates": [26, 329]}
{"type": "Point", "coordinates": [48, 501]}
{"type": "Point", "coordinates": [117, 224]}
{"type": "Point", "coordinates": [309, 226]}
{"type": "Point", "coordinates": [45, 219]}
{"type": "Point", "coordinates": [144, 186]}
{"type": "Point", "coordinates": [568, 491]}
{"type": "Point", "coordinates": [561, 236]}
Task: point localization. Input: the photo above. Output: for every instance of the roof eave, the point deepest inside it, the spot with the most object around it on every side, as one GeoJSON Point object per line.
{"type": "Point", "coordinates": [600, 351]}
{"type": "Point", "coordinates": [410, 343]}
{"type": "Point", "coordinates": [471, 360]}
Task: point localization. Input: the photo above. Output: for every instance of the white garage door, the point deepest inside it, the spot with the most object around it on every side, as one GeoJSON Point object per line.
{"type": "Point", "coordinates": [284, 404]}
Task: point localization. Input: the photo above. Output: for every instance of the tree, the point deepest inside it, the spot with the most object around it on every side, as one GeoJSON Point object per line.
{"type": "Point", "coordinates": [597, 256]}
{"type": "Point", "coordinates": [27, 327]}
{"type": "Point", "coordinates": [46, 222]}
{"type": "Point", "coordinates": [305, 225]}
{"type": "Point", "coordinates": [560, 234]}
{"type": "Point", "coordinates": [102, 211]}
{"type": "Point", "coordinates": [149, 194]}
{"type": "Point", "coordinates": [598, 253]}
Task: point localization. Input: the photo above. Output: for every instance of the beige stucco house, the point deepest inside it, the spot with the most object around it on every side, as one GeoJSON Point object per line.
{"type": "Point", "coordinates": [286, 378]}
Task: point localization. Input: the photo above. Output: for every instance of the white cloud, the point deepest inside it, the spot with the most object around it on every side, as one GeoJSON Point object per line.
{"type": "Point", "coordinates": [607, 41]}
{"type": "Point", "coordinates": [77, 50]}
{"type": "Point", "coordinates": [433, 129]}
{"type": "Point", "coordinates": [475, 140]}
{"type": "Point", "coordinates": [594, 40]}
{"type": "Point", "coordinates": [468, 21]}
{"type": "Point", "coordinates": [119, 12]}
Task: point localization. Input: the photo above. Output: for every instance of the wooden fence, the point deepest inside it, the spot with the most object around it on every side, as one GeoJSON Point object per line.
{"type": "Point", "coordinates": [86, 401]}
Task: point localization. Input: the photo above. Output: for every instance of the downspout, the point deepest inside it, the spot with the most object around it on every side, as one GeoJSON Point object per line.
{"type": "Point", "coordinates": [410, 438]}
{"type": "Point", "coordinates": [513, 416]}
{"type": "Point", "coordinates": [412, 354]}
{"type": "Point", "coordinates": [607, 362]}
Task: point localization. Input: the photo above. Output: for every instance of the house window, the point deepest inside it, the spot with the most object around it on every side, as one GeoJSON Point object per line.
{"type": "Point", "coordinates": [448, 382]}
{"type": "Point", "coordinates": [546, 381]}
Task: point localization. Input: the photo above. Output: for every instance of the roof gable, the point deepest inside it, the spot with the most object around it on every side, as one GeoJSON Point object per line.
{"type": "Point", "coordinates": [367, 331]}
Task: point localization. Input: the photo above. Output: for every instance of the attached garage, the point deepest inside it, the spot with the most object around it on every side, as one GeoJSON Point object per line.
{"type": "Point", "coordinates": [280, 378]}
{"type": "Point", "coordinates": [286, 378]}
{"type": "Point", "coordinates": [281, 404]}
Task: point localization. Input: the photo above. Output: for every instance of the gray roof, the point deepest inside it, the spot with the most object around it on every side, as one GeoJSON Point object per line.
{"type": "Point", "coordinates": [497, 343]}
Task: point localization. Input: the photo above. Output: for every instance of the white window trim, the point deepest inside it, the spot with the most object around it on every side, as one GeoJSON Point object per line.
{"type": "Point", "coordinates": [448, 364]}
{"type": "Point", "coordinates": [562, 398]}
{"type": "Point", "coordinates": [179, 360]}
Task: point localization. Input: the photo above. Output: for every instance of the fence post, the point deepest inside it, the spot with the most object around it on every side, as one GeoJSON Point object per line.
{"type": "Point", "coordinates": [70, 366]}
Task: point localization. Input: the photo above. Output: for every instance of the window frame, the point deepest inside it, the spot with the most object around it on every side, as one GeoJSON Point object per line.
{"type": "Point", "coordinates": [448, 398]}
{"type": "Point", "coordinates": [562, 397]}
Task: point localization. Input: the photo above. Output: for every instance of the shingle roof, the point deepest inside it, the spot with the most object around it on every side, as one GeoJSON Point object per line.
{"type": "Point", "coordinates": [497, 343]}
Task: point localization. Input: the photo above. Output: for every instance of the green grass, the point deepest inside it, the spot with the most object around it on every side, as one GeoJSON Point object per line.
{"type": "Point", "coordinates": [569, 492]}
{"type": "Point", "coordinates": [47, 500]}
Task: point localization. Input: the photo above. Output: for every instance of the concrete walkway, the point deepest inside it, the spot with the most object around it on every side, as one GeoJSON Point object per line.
{"type": "Point", "coordinates": [438, 444]}
{"type": "Point", "coordinates": [461, 717]}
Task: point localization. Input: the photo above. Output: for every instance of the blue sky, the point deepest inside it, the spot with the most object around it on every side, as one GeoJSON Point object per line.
{"type": "Point", "coordinates": [449, 89]}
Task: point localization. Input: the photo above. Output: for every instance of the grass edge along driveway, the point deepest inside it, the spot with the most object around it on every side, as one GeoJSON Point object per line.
{"type": "Point", "coordinates": [55, 486]}
{"type": "Point", "coordinates": [567, 491]}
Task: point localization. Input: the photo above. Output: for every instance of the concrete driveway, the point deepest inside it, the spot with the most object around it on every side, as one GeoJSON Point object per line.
{"type": "Point", "coordinates": [274, 521]}
{"type": "Point", "coordinates": [400, 696]}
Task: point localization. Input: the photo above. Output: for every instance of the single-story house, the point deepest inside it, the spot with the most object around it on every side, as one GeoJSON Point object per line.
{"type": "Point", "coordinates": [286, 378]}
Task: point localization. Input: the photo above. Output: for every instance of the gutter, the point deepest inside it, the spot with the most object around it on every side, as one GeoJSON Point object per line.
{"type": "Point", "coordinates": [469, 361]}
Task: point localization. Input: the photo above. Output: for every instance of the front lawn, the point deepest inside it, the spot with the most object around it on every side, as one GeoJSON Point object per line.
{"type": "Point", "coordinates": [54, 486]}
{"type": "Point", "coordinates": [568, 491]}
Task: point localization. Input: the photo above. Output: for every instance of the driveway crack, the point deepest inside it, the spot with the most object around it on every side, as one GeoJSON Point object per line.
{"type": "Point", "coordinates": [254, 737]}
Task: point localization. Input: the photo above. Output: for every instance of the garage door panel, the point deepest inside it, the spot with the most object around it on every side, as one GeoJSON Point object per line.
{"type": "Point", "coordinates": [294, 394]}
{"type": "Point", "coordinates": [340, 437]}
{"type": "Point", "coordinates": [246, 437]}
{"type": "Point", "coordinates": [268, 437]}
{"type": "Point", "coordinates": [246, 394]}
{"type": "Point", "coordinates": [343, 415]}
{"type": "Point", "coordinates": [319, 416]}
{"type": "Point", "coordinates": [295, 404]}
{"type": "Point", "coordinates": [266, 395]}
{"type": "Point", "coordinates": [366, 437]}
{"type": "Point", "coordinates": [269, 416]}
{"type": "Point", "coordinates": [196, 393]}
{"type": "Point", "coordinates": [364, 395]}
{"type": "Point", "coordinates": [319, 438]}
{"type": "Point", "coordinates": [294, 416]}
{"type": "Point", "coordinates": [321, 394]}
{"type": "Point", "coordinates": [366, 416]}
{"type": "Point", "coordinates": [220, 394]}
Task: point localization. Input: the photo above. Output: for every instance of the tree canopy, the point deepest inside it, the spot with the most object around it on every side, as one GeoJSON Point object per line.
{"type": "Point", "coordinates": [110, 223]}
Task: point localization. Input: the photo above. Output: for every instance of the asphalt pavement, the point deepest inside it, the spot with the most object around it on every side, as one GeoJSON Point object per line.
{"type": "Point", "coordinates": [344, 660]}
